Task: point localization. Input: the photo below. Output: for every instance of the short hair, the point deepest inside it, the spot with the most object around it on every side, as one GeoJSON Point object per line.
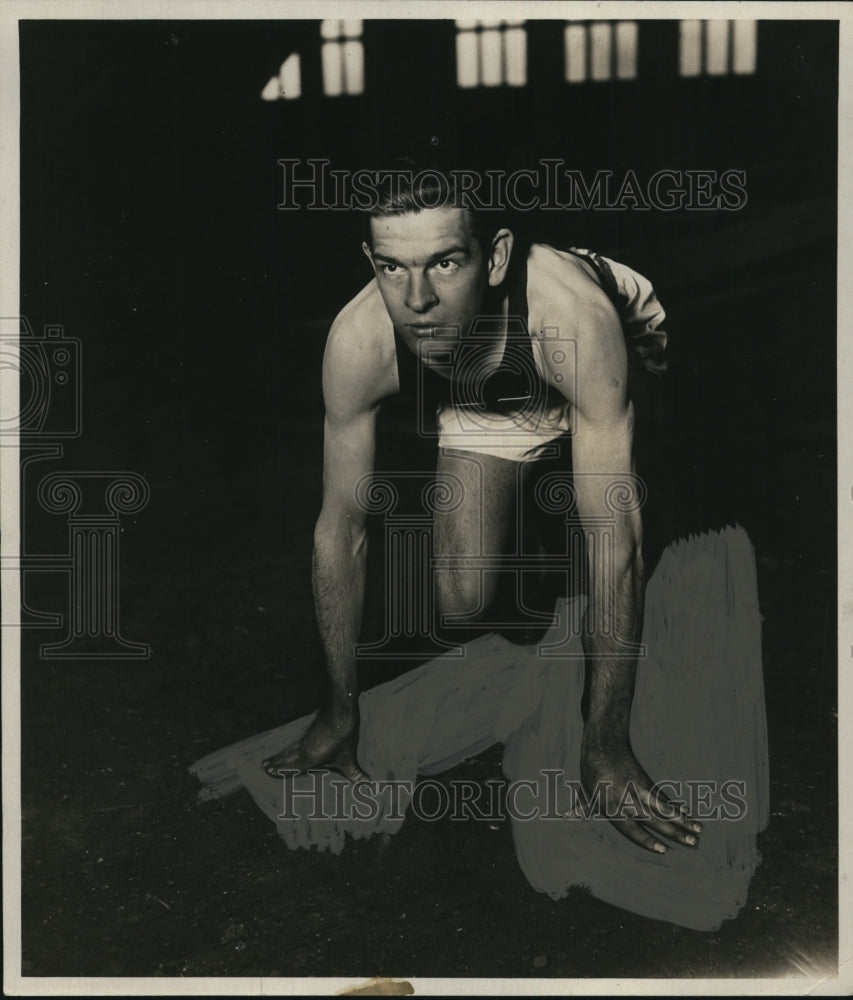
{"type": "Point", "coordinates": [413, 186]}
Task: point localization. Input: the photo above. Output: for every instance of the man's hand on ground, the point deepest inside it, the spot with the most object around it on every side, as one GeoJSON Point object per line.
{"type": "Point", "coordinates": [627, 790]}
{"type": "Point", "coordinates": [330, 744]}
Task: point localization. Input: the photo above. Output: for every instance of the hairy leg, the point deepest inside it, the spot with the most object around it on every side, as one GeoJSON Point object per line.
{"type": "Point", "coordinates": [478, 526]}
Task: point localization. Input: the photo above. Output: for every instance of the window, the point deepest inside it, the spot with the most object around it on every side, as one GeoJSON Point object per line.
{"type": "Point", "coordinates": [342, 57]}
{"type": "Point", "coordinates": [490, 53]}
{"type": "Point", "coordinates": [717, 47]}
{"type": "Point", "coordinates": [600, 50]}
{"type": "Point", "coordinates": [287, 86]}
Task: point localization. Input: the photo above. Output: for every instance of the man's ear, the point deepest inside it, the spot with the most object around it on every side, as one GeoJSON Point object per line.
{"type": "Point", "coordinates": [499, 255]}
{"type": "Point", "coordinates": [368, 253]}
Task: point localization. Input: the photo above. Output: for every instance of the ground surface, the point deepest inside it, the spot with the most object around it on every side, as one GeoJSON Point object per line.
{"type": "Point", "coordinates": [124, 874]}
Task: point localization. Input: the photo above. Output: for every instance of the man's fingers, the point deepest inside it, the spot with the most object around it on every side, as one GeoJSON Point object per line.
{"type": "Point", "coordinates": [674, 832]}
{"type": "Point", "coordinates": [662, 818]}
{"type": "Point", "coordinates": [667, 812]}
{"type": "Point", "coordinates": [640, 836]}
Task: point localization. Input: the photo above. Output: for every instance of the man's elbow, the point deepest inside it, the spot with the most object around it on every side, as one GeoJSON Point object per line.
{"type": "Point", "coordinates": [628, 555]}
{"type": "Point", "coordinates": [636, 564]}
{"type": "Point", "coordinates": [630, 563]}
{"type": "Point", "coordinates": [340, 534]}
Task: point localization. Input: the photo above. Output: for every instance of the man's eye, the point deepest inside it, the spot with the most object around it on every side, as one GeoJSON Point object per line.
{"type": "Point", "coordinates": [447, 265]}
{"type": "Point", "coordinates": [389, 268]}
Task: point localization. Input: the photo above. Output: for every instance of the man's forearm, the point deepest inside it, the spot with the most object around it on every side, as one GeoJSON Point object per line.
{"type": "Point", "coordinates": [613, 629]}
{"type": "Point", "coordinates": [339, 570]}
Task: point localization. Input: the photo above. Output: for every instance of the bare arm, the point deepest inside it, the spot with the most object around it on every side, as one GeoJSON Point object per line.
{"type": "Point", "coordinates": [608, 503]}
{"type": "Point", "coordinates": [609, 496]}
{"type": "Point", "coordinates": [340, 548]}
{"type": "Point", "coordinates": [340, 553]}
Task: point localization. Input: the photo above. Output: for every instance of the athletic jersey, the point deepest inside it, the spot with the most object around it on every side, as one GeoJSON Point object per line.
{"type": "Point", "coordinates": [515, 380]}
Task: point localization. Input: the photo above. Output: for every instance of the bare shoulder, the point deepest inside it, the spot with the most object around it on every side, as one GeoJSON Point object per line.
{"type": "Point", "coordinates": [566, 304]}
{"type": "Point", "coordinates": [359, 364]}
{"type": "Point", "coordinates": [562, 291]}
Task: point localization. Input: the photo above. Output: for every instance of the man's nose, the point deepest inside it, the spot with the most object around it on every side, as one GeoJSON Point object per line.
{"type": "Point", "coordinates": [420, 296]}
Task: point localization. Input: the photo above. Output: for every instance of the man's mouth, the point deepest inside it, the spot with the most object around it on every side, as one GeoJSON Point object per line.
{"type": "Point", "coordinates": [434, 329]}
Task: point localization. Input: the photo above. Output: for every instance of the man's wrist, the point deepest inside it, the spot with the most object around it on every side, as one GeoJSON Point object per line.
{"type": "Point", "coordinates": [611, 695]}
{"type": "Point", "coordinates": [607, 738]}
{"type": "Point", "coordinates": [343, 704]}
{"type": "Point", "coordinates": [607, 725]}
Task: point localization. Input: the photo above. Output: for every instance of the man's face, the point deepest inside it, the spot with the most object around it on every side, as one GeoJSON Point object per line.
{"type": "Point", "coordinates": [432, 275]}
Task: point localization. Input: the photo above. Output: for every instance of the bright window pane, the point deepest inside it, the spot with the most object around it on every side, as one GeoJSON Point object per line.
{"type": "Point", "coordinates": [745, 46]}
{"type": "Point", "coordinates": [491, 55]}
{"type": "Point", "coordinates": [466, 59]}
{"type": "Point", "coordinates": [333, 83]}
{"type": "Point", "coordinates": [466, 24]}
{"type": "Point", "coordinates": [600, 41]}
{"type": "Point", "coordinates": [352, 29]}
{"type": "Point", "coordinates": [290, 78]}
{"type": "Point", "coordinates": [272, 90]}
{"type": "Point", "coordinates": [515, 42]}
{"type": "Point", "coordinates": [575, 36]}
{"type": "Point", "coordinates": [689, 49]}
{"type": "Point", "coordinates": [330, 29]}
{"type": "Point", "coordinates": [490, 51]}
{"type": "Point", "coordinates": [626, 50]}
{"type": "Point", "coordinates": [353, 53]}
{"type": "Point", "coordinates": [716, 47]}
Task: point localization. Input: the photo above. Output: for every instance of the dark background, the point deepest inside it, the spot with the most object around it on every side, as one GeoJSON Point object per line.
{"type": "Point", "coordinates": [149, 230]}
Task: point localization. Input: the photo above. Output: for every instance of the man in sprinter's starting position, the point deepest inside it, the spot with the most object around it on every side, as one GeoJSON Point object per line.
{"type": "Point", "coordinates": [437, 270]}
